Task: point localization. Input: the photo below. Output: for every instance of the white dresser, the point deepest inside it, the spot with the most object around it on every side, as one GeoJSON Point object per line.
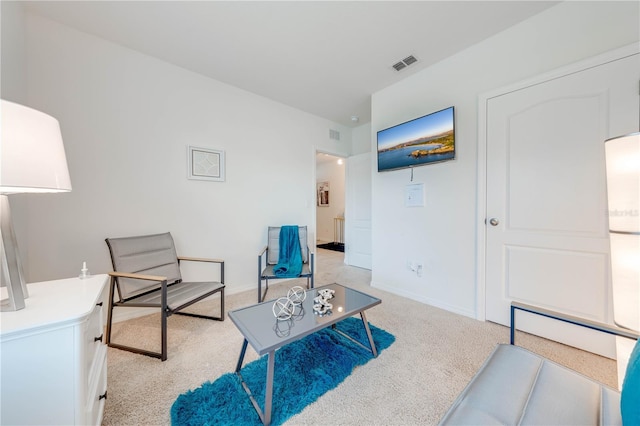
{"type": "Point", "coordinates": [53, 364]}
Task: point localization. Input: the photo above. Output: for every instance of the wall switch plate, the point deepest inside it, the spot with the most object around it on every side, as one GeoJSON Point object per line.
{"type": "Point", "coordinates": [414, 195]}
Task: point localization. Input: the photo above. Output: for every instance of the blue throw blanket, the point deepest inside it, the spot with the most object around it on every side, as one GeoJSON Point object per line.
{"type": "Point", "coordinates": [290, 259]}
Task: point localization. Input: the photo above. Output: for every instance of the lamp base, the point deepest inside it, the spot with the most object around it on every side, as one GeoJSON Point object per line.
{"type": "Point", "coordinates": [11, 272]}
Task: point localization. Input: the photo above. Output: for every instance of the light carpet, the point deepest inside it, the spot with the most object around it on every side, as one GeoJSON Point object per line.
{"type": "Point", "coordinates": [435, 354]}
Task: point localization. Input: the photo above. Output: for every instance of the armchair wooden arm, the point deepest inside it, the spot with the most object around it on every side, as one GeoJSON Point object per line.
{"type": "Point", "coordinates": [137, 276]}
{"type": "Point", "coordinates": [200, 259]}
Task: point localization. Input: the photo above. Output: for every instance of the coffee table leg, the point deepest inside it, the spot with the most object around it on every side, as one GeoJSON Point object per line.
{"type": "Point", "coordinates": [241, 358]}
{"type": "Point", "coordinates": [268, 396]}
{"type": "Point", "coordinates": [374, 351]}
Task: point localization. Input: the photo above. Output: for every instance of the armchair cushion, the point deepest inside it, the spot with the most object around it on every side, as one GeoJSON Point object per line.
{"type": "Point", "coordinates": [147, 254]}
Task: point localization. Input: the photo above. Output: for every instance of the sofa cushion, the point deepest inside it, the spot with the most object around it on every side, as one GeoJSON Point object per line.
{"type": "Point", "coordinates": [515, 386]}
{"type": "Point", "coordinates": [630, 397]}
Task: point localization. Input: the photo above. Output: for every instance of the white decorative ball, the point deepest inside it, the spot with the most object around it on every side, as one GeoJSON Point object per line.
{"type": "Point", "coordinates": [283, 308]}
{"type": "Point", "coordinates": [296, 295]}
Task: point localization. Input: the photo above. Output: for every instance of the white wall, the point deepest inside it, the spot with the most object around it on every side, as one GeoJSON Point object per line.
{"type": "Point", "coordinates": [13, 82]}
{"type": "Point", "coordinates": [126, 120]}
{"type": "Point", "coordinates": [333, 173]}
{"type": "Point", "coordinates": [442, 234]}
{"type": "Point", "coordinates": [361, 139]}
{"type": "Point", "coordinates": [13, 87]}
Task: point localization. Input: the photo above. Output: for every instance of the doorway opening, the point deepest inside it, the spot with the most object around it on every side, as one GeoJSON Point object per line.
{"type": "Point", "coordinates": [330, 202]}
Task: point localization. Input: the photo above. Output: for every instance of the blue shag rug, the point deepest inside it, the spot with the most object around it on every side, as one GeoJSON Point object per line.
{"type": "Point", "coordinates": [304, 371]}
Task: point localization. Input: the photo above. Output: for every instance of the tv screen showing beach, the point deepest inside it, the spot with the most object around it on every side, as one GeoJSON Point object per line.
{"type": "Point", "coordinates": [425, 140]}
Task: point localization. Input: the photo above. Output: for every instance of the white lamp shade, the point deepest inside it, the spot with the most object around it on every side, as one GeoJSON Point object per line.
{"type": "Point", "coordinates": [623, 193]}
{"type": "Point", "coordinates": [623, 182]}
{"type": "Point", "coordinates": [32, 153]}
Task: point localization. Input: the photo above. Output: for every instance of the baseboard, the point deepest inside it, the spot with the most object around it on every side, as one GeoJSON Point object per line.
{"type": "Point", "coordinates": [425, 300]}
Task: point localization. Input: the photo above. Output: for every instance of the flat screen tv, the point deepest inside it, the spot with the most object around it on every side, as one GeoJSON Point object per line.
{"type": "Point", "coordinates": [425, 140]}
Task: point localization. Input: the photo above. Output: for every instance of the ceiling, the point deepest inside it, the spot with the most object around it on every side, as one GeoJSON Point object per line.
{"type": "Point", "coordinates": [323, 158]}
{"type": "Point", "coordinates": [324, 57]}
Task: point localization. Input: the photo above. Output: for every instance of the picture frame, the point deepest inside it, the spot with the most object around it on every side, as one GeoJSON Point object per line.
{"type": "Point", "coordinates": [323, 194]}
{"type": "Point", "coordinates": [205, 164]}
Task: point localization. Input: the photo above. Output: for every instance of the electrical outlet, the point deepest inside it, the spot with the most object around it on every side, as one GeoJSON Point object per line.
{"type": "Point", "coordinates": [415, 267]}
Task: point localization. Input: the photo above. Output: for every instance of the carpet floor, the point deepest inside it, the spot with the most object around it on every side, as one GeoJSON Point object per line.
{"type": "Point", "coordinates": [304, 370]}
{"type": "Point", "coordinates": [413, 382]}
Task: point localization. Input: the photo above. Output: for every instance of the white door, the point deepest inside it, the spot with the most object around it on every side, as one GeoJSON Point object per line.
{"type": "Point", "coordinates": [358, 211]}
{"type": "Point", "coordinates": [547, 227]}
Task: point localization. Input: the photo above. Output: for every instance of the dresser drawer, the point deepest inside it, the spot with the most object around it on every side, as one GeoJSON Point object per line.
{"type": "Point", "coordinates": [92, 340]}
{"type": "Point", "coordinates": [98, 392]}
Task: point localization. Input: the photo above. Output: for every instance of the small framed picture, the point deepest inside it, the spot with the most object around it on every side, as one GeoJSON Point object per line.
{"type": "Point", "coordinates": [323, 194]}
{"type": "Point", "coordinates": [205, 164]}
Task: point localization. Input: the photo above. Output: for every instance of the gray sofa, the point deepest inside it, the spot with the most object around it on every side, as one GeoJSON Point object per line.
{"type": "Point", "coordinates": [515, 386]}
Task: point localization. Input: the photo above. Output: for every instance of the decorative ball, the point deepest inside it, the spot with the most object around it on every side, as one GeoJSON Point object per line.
{"type": "Point", "coordinates": [283, 308]}
{"type": "Point", "coordinates": [326, 293]}
{"type": "Point", "coordinates": [324, 308]}
{"type": "Point", "coordinates": [296, 295]}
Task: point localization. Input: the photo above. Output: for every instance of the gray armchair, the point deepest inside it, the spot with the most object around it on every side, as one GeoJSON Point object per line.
{"type": "Point", "coordinates": [147, 274]}
{"type": "Point", "coordinates": [269, 256]}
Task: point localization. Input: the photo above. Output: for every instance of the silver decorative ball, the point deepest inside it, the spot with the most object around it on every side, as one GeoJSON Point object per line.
{"type": "Point", "coordinates": [296, 295]}
{"type": "Point", "coordinates": [283, 308]}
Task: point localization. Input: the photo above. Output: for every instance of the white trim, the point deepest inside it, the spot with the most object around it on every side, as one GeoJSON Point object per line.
{"type": "Point", "coordinates": [481, 211]}
{"type": "Point", "coordinates": [316, 151]}
{"type": "Point", "coordinates": [483, 99]}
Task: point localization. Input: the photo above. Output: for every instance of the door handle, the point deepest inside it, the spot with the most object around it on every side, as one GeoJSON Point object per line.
{"type": "Point", "coordinates": [493, 221]}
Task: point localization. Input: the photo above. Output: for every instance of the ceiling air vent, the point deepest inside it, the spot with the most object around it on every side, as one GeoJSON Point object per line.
{"type": "Point", "coordinates": [334, 134]}
{"type": "Point", "coordinates": [409, 60]}
{"type": "Point", "coordinates": [400, 65]}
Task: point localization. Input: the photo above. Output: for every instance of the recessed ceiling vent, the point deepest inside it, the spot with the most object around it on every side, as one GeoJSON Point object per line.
{"type": "Point", "coordinates": [334, 134]}
{"type": "Point", "coordinates": [398, 66]}
{"type": "Point", "coordinates": [409, 60]}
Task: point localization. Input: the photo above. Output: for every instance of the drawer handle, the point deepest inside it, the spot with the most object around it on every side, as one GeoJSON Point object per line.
{"type": "Point", "coordinates": [99, 304]}
{"type": "Point", "coordinates": [103, 396]}
{"type": "Point", "coordinates": [98, 339]}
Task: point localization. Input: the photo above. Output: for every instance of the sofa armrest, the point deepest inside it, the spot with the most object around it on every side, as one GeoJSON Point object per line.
{"type": "Point", "coordinates": [594, 325]}
{"type": "Point", "coordinates": [517, 387]}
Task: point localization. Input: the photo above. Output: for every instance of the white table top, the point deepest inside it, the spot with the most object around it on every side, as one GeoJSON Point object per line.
{"type": "Point", "coordinates": [53, 303]}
